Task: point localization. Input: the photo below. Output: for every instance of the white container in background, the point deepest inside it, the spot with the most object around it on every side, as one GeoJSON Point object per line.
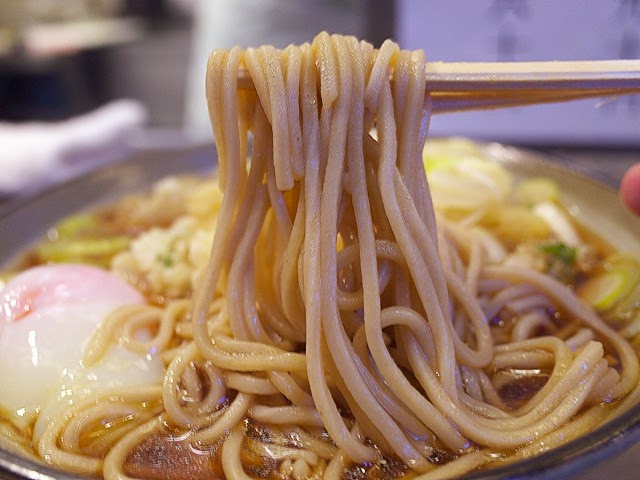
{"type": "Point", "coordinates": [531, 30]}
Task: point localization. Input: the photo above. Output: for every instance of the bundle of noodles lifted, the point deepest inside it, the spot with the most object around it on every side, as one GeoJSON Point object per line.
{"type": "Point", "coordinates": [340, 329]}
{"type": "Point", "coordinates": [334, 302]}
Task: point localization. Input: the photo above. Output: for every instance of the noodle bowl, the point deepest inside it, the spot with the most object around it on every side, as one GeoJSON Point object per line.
{"type": "Point", "coordinates": [341, 323]}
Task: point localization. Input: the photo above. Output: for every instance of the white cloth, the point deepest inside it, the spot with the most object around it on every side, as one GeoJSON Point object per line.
{"type": "Point", "coordinates": [34, 155]}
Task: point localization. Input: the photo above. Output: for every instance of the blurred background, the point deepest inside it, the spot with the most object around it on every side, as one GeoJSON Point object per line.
{"type": "Point", "coordinates": [107, 76]}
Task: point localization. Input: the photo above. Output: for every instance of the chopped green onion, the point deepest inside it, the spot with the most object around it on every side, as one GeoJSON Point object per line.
{"type": "Point", "coordinates": [559, 251]}
{"type": "Point", "coordinates": [165, 259]}
{"type": "Point", "coordinates": [76, 223]}
{"type": "Point", "coordinates": [536, 190]}
{"type": "Point", "coordinates": [619, 277]}
{"type": "Point", "coordinates": [85, 249]}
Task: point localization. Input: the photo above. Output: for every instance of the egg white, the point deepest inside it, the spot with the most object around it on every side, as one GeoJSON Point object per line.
{"type": "Point", "coordinates": [47, 317]}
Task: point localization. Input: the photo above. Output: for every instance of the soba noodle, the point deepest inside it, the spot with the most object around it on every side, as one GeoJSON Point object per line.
{"type": "Point", "coordinates": [340, 322]}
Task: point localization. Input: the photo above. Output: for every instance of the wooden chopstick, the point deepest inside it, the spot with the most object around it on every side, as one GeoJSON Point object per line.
{"type": "Point", "coordinates": [446, 102]}
{"type": "Point", "coordinates": [473, 86]}
{"type": "Point", "coordinates": [575, 75]}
